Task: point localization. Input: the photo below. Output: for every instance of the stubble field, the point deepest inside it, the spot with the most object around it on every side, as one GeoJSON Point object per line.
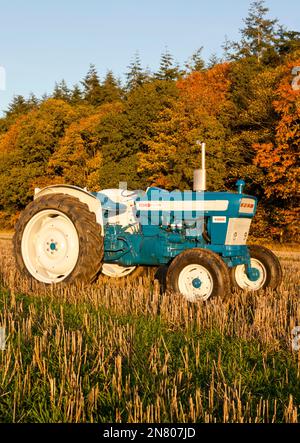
{"type": "Point", "coordinates": [122, 352]}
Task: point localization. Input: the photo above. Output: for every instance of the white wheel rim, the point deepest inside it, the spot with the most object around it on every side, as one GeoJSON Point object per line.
{"type": "Point", "coordinates": [116, 271]}
{"type": "Point", "coordinates": [243, 281]}
{"type": "Point", "coordinates": [50, 246]}
{"type": "Point", "coordinates": [192, 276]}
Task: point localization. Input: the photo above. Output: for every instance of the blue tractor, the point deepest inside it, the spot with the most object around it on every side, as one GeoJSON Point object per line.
{"type": "Point", "coordinates": [68, 235]}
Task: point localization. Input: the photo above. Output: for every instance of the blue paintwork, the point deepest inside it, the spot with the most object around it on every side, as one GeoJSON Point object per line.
{"type": "Point", "coordinates": [52, 246]}
{"type": "Point", "coordinates": [196, 283]}
{"type": "Point", "coordinates": [252, 273]}
{"type": "Point", "coordinates": [240, 185]}
{"type": "Point", "coordinates": [163, 234]}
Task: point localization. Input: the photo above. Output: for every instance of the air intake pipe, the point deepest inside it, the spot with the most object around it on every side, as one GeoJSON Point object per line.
{"type": "Point", "coordinates": [200, 174]}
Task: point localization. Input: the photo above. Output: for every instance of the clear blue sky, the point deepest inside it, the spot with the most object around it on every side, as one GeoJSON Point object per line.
{"type": "Point", "coordinates": [44, 41]}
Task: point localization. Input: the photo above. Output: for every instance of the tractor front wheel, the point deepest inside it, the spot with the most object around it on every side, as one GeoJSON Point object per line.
{"type": "Point", "coordinates": [198, 274]}
{"type": "Point", "coordinates": [269, 271]}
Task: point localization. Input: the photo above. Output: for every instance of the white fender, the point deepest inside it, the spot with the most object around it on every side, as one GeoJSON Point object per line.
{"type": "Point", "coordinates": [82, 194]}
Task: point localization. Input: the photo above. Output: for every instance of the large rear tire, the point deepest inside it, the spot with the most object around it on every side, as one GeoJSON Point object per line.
{"type": "Point", "coordinates": [268, 265]}
{"type": "Point", "coordinates": [198, 274]}
{"type": "Point", "coordinates": [57, 239]}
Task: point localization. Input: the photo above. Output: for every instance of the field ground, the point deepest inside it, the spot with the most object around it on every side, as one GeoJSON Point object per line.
{"type": "Point", "coordinates": [122, 352]}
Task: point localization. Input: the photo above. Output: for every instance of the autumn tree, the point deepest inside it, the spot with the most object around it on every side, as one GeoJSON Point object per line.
{"type": "Point", "coordinates": [78, 157]}
{"type": "Point", "coordinates": [172, 155]}
{"type": "Point", "coordinates": [17, 107]}
{"type": "Point", "coordinates": [279, 158]}
{"type": "Point", "coordinates": [26, 148]}
{"type": "Point", "coordinates": [128, 133]}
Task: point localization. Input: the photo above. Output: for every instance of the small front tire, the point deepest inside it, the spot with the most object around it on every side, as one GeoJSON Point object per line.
{"type": "Point", "coordinates": [268, 265]}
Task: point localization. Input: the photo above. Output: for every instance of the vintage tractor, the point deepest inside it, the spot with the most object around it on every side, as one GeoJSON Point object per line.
{"type": "Point", "coordinates": [68, 234]}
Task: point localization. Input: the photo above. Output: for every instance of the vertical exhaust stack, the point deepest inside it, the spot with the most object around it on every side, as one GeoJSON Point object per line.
{"type": "Point", "coordinates": [200, 174]}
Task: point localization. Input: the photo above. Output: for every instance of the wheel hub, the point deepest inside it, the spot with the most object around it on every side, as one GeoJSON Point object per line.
{"type": "Point", "coordinates": [53, 246]}
{"type": "Point", "coordinates": [253, 274]}
{"type": "Point", "coordinates": [195, 282]}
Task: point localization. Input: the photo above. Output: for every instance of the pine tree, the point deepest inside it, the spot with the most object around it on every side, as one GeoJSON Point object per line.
{"type": "Point", "coordinates": [213, 60]}
{"type": "Point", "coordinates": [227, 47]}
{"type": "Point", "coordinates": [32, 101]}
{"type": "Point", "coordinates": [195, 62]}
{"type": "Point", "coordinates": [111, 89]}
{"type": "Point", "coordinates": [19, 105]}
{"type": "Point", "coordinates": [258, 35]}
{"type": "Point", "coordinates": [92, 90]}
{"type": "Point", "coordinates": [135, 76]}
{"type": "Point", "coordinates": [61, 91]}
{"type": "Point", "coordinates": [76, 95]}
{"type": "Point", "coordinates": [167, 69]}
{"type": "Point", "coordinates": [287, 41]}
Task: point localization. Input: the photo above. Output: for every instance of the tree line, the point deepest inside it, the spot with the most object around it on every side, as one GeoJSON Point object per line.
{"type": "Point", "coordinates": [101, 132]}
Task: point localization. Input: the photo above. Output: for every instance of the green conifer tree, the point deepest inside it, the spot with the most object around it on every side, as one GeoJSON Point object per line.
{"type": "Point", "coordinates": [92, 90]}
{"type": "Point", "coordinates": [167, 70]}
{"type": "Point", "coordinates": [136, 75]}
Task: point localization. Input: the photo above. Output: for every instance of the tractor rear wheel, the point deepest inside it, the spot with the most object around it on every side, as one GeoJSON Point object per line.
{"type": "Point", "coordinates": [198, 274]}
{"type": "Point", "coordinates": [268, 265]}
{"type": "Point", "coordinates": [57, 239]}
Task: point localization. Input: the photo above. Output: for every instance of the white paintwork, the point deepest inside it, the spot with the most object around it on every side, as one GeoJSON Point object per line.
{"type": "Point", "coordinates": [185, 282]}
{"type": "Point", "coordinates": [244, 282]}
{"type": "Point", "coordinates": [200, 174]}
{"type": "Point", "coordinates": [116, 271]}
{"type": "Point", "coordinates": [247, 206]}
{"type": "Point", "coordinates": [43, 229]}
{"type": "Point", "coordinates": [237, 231]}
{"type": "Point", "coordinates": [83, 195]}
{"type": "Point", "coordinates": [182, 205]}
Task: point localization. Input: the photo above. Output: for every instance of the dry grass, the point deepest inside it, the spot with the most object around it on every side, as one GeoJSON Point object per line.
{"type": "Point", "coordinates": [125, 353]}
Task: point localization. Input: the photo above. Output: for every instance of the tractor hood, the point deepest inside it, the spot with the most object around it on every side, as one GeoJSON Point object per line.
{"type": "Point", "coordinates": [193, 204]}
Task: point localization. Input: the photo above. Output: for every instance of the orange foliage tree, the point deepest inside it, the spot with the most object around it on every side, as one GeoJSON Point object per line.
{"type": "Point", "coordinates": [279, 158]}
{"type": "Point", "coordinates": [78, 157]}
{"type": "Point", "coordinates": [26, 148]}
